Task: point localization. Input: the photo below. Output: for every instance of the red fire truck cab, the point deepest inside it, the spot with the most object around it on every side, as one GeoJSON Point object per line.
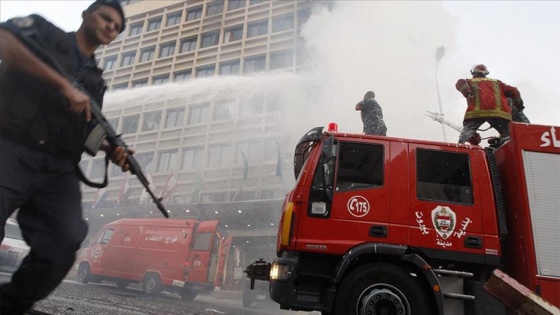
{"type": "Point", "coordinates": [380, 225]}
{"type": "Point", "coordinates": [184, 256]}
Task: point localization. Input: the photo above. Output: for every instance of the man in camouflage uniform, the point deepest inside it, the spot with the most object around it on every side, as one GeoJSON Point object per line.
{"type": "Point", "coordinates": [372, 115]}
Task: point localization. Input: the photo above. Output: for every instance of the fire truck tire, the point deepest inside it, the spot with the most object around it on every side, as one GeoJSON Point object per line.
{"type": "Point", "coordinates": [187, 294]}
{"type": "Point", "coordinates": [381, 288]}
{"type": "Point", "coordinates": [122, 284]}
{"type": "Point", "coordinates": [84, 275]}
{"type": "Point", "coordinates": [152, 284]}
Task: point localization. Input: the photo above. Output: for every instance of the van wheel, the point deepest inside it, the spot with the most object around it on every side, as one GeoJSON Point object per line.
{"type": "Point", "coordinates": [187, 294]}
{"type": "Point", "coordinates": [84, 275]}
{"type": "Point", "coordinates": [152, 284]}
{"type": "Point", "coordinates": [381, 289]}
{"type": "Point", "coordinates": [122, 284]}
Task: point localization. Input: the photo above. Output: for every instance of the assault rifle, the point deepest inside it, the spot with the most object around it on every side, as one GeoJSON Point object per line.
{"type": "Point", "coordinates": [102, 131]}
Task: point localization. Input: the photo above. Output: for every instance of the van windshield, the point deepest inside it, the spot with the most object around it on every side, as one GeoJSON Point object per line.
{"type": "Point", "coordinates": [13, 231]}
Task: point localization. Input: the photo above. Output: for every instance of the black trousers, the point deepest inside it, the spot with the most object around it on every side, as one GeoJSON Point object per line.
{"type": "Point", "coordinates": [46, 191]}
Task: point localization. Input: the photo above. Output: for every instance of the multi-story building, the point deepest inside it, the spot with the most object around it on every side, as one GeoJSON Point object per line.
{"type": "Point", "coordinates": [183, 90]}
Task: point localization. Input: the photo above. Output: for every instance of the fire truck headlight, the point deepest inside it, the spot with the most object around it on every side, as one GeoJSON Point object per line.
{"type": "Point", "coordinates": [279, 272]}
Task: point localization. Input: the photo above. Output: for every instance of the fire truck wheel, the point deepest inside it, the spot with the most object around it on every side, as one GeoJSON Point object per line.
{"type": "Point", "coordinates": [187, 294]}
{"type": "Point", "coordinates": [381, 289]}
{"type": "Point", "coordinates": [152, 284]}
{"type": "Point", "coordinates": [84, 276]}
{"type": "Point", "coordinates": [122, 284]}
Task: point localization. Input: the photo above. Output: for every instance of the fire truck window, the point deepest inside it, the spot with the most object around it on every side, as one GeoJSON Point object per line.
{"type": "Point", "coordinates": [443, 176]}
{"type": "Point", "coordinates": [360, 166]}
{"type": "Point", "coordinates": [105, 238]}
{"type": "Point", "coordinates": [202, 241]}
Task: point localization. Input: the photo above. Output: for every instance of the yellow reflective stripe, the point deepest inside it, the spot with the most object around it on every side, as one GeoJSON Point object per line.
{"type": "Point", "coordinates": [476, 95]}
{"type": "Point", "coordinates": [490, 113]}
{"type": "Point", "coordinates": [287, 224]}
{"type": "Point", "coordinates": [497, 95]}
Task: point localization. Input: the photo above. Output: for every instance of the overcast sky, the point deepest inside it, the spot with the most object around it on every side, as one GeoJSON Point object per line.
{"type": "Point", "coordinates": [389, 47]}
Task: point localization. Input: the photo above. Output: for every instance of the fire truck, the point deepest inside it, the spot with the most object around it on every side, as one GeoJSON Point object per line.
{"type": "Point", "coordinates": [178, 255]}
{"type": "Point", "coordinates": [381, 225]}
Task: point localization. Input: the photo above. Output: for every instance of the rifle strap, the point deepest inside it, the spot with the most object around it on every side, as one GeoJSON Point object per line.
{"type": "Point", "coordinates": [86, 181]}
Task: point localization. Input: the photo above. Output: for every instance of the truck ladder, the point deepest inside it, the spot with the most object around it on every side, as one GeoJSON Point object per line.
{"type": "Point", "coordinates": [451, 288]}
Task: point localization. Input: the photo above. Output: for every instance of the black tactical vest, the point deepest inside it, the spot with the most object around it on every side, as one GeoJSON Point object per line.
{"type": "Point", "coordinates": [32, 113]}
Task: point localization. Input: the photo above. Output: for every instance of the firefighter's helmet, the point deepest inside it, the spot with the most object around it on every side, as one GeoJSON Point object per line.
{"type": "Point", "coordinates": [479, 69]}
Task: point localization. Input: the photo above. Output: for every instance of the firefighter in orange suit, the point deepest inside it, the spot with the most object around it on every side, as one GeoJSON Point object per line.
{"type": "Point", "coordinates": [487, 101]}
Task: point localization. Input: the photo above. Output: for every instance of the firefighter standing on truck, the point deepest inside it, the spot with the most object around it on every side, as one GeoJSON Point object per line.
{"type": "Point", "coordinates": [487, 101]}
{"type": "Point", "coordinates": [44, 120]}
{"type": "Point", "coordinates": [372, 115]}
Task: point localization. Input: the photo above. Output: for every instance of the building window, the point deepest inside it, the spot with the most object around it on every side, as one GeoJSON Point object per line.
{"type": "Point", "coordinates": [128, 58]}
{"type": "Point", "coordinates": [255, 64]}
{"type": "Point", "coordinates": [209, 39]}
{"type": "Point", "coordinates": [161, 79]}
{"type": "Point", "coordinates": [151, 121]}
{"type": "Point", "coordinates": [175, 117]}
{"type": "Point", "coordinates": [283, 22]}
{"type": "Point", "coordinates": [229, 68]}
{"type": "Point", "coordinates": [97, 169]}
{"type": "Point", "coordinates": [174, 18]}
{"type": "Point", "coordinates": [199, 113]}
{"type": "Point", "coordinates": [194, 14]}
{"type": "Point", "coordinates": [114, 122]}
{"type": "Point", "coordinates": [140, 83]}
{"type": "Point", "coordinates": [216, 7]}
{"type": "Point", "coordinates": [182, 75]}
{"type": "Point", "coordinates": [167, 49]}
{"type": "Point", "coordinates": [188, 44]}
{"type": "Point", "coordinates": [282, 59]}
{"type": "Point", "coordinates": [252, 2]}
{"type": "Point", "coordinates": [135, 29]}
{"type": "Point", "coordinates": [148, 54]}
{"type": "Point", "coordinates": [193, 158]}
{"type": "Point", "coordinates": [303, 16]}
{"type": "Point", "coordinates": [120, 86]}
{"type": "Point", "coordinates": [235, 4]}
{"type": "Point", "coordinates": [206, 71]}
{"type": "Point", "coordinates": [145, 160]}
{"type": "Point", "coordinates": [233, 34]}
{"type": "Point", "coordinates": [167, 161]}
{"type": "Point", "coordinates": [110, 62]}
{"type": "Point", "coordinates": [257, 29]}
{"type": "Point", "coordinates": [220, 154]}
{"type": "Point", "coordinates": [154, 24]}
{"type": "Point", "coordinates": [130, 124]}
{"type": "Point", "coordinates": [443, 176]}
{"type": "Point", "coordinates": [222, 110]}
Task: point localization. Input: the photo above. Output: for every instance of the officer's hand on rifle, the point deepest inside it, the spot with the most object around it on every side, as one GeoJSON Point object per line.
{"type": "Point", "coordinates": [78, 102]}
{"type": "Point", "coordinates": [118, 156]}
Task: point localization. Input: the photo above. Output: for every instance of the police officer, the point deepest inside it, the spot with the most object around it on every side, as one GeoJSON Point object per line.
{"type": "Point", "coordinates": [44, 120]}
{"type": "Point", "coordinates": [487, 101]}
{"type": "Point", "coordinates": [372, 115]}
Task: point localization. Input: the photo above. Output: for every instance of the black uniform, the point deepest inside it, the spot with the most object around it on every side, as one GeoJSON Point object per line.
{"type": "Point", "coordinates": [40, 145]}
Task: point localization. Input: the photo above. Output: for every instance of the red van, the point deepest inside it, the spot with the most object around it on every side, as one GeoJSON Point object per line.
{"type": "Point", "coordinates": [183, 256]}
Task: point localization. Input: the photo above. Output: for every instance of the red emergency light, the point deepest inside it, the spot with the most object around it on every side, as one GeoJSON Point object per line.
{"type": "Point", "coordinates": [332, 127]}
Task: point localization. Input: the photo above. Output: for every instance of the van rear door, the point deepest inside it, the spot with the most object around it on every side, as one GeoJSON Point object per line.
{"type": "Point", "coordinates": [203, 252]}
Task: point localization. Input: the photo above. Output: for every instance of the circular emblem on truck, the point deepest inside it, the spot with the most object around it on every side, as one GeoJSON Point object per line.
{"type": "Point", "coordinates": [358, 206]}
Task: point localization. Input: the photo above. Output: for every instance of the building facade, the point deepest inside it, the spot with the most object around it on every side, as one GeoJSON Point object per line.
{"type": "Point", "coordinates": [197, 88]}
